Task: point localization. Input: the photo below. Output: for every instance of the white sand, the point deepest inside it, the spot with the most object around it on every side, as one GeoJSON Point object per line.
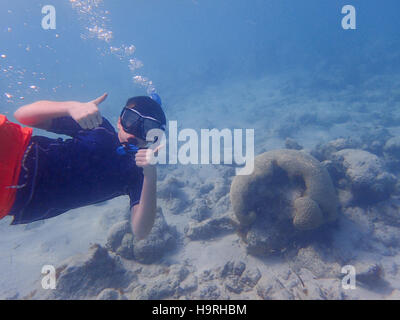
{"type": "Point", "coordinates": [262, 104]}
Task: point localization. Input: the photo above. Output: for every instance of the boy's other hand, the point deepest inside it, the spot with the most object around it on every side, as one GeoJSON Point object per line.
{"type": "Point", "coordinates": [87, 115]}
{"type": "Point", "coordinates": [144, 158]}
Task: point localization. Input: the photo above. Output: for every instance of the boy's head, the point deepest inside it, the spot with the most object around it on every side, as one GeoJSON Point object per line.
{"type": "Point", "coordinates": [140, 115]}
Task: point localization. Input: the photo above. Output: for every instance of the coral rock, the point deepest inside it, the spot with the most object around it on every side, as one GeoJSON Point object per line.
{"type": "Point", "coordinates": [209, 228]}
{"type": "Point", "coordinates": [288, 192]}
{"type": "Point", "coordinates": [160, 240]}
{"type": "Point", "coordinates": [366, 174]}
{"type": "Point", "coordinates": [86, 276]}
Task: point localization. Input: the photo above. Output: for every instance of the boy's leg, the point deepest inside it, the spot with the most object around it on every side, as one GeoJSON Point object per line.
{"type": "Point", "coordinates": [13, 142]}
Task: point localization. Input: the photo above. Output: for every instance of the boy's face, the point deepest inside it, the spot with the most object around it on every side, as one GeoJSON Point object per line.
{"type": "Point", "coordinates": [125, 137]}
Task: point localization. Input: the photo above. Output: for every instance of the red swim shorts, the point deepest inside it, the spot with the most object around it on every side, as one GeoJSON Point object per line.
{"type": "Point", "coordinates": [13, 142]}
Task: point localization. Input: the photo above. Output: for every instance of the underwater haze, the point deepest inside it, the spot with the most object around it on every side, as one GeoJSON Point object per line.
{"type": "Point", "coordinates": [326, 97]}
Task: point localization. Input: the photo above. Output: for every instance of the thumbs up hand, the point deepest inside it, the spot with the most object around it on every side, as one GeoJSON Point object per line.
{"type": "Point", "coordinates": [87, 115]}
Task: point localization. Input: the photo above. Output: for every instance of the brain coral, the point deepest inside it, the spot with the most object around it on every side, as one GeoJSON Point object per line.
{"type": "Point", "coordinates": [289, 191]}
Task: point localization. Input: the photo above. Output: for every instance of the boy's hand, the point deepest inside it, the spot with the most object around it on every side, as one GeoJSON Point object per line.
{"type": "Point", "coordinates": [87, 114]}
{"type": "Point", "coordinates": [143, 159]}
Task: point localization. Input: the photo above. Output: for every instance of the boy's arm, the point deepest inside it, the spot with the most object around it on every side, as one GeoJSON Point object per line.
{"type": "Point", "coordinates": [39, 114]}
{"type": "Point", "coordinates": [143, 214]}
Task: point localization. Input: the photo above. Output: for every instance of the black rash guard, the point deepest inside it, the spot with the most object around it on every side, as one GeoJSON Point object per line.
{"type": "Point", "coordinates": [59, 175]}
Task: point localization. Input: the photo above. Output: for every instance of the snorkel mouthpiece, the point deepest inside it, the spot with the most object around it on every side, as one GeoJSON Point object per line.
{"type": "Point", "coordinates": [127, 148]}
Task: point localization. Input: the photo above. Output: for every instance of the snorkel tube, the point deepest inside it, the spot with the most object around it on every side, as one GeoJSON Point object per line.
{"type": "Point", "coordinates": [129, 148]}
{"type": "Point", "coordinates": [156, 98]}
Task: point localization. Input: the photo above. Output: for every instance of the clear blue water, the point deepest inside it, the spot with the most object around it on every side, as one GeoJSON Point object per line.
{"type": "Point", "coordinates": [185, 45]}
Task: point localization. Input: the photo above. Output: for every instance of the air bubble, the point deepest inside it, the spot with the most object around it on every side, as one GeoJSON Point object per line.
{"type": "Point", "coordinates": [96, 24]}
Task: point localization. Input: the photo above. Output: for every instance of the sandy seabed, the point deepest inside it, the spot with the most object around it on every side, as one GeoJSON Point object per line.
{"type": "Point", "coordinates": [215, 264]}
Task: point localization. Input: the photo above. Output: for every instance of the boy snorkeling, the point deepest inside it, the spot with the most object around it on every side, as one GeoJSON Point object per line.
{"type": "Point", "coordinates": [41, 178]}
